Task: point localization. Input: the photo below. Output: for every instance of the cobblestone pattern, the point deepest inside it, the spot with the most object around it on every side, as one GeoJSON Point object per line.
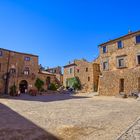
{"type": "Point", "coordinates": [66, 116]}
{"type": "Point", "coordinates": [133, 133]}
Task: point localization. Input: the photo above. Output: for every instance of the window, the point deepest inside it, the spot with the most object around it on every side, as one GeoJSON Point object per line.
{"type": "Point", "coordinates": [86, 69]}
{"type": "Point", "coordinates": [78, 70]}
{"type": "Point", "coordinates": [53, 70]}
{"type": "Point", "coordinates": [0, 53]}
{"type": "Point", "coordinates": [120, 45]}
{"type": "Point", "coordinates": [121, 62]}
{"type": "Point", "coordinates": [26, 71]}
{"type": "Point", "coordinates": [12, 70]}
{"type": "Point", "coordinates": [138, 39]}
{"type": "Point", "coordinates": [104, 49]}
{"type": "Point", "coordinates": [88, 78]}
{"type": "Point", "coordinates": [121, 85]}
{"type": "Point", "coordinates": [138, 59]}
{"type": "Point", "coordinates": [70, 70]}
{"type": "Point", "coordinates": [27, 58]}
{"type": "Point", "coordinates": [0, 67]}
{"type": "Point", "coordinates": [105, 65]}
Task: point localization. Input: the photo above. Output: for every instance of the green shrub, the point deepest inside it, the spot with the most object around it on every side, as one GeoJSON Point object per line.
{"type": "Point", "coordinates": [39, 84]}
{"type": "Point", "coordinates": [42, 90]}
{"type": "Point", "coordinates": [74, 83]}
{"type": "Point", "coordinates": [53, 87]}
{"type": "Point", "coordinates": [76, 86]}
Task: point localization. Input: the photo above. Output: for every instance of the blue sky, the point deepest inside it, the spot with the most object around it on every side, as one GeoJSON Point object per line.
{"type": "Point", "coordinates": [62, 30]}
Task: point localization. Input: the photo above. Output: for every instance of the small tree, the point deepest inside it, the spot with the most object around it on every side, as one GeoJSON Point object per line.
{"type": "Point", "coordinates": [39, 84]}
{"type": "Point", "coordinates": [13, 90]}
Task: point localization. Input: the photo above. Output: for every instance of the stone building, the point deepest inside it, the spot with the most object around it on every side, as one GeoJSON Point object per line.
{"type": "Point", "coordinates": [55, 70]}
{"type": "Point", "coordinates": [86, 72]}
{"type": "Point", "coordinates": [22, 70]}
{"type": "Point", "coordinates": [48, 78]}
{"type": "Point", "coordinates": [120, 65]}
{"type": "Point", "coordinates": [58, 72]}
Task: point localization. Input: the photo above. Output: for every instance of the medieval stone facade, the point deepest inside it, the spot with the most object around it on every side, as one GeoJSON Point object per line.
{"type": "Point", "coordinates": [86, 72]}
{"type": "Point", "coordinates": [120, 65]}
{"type": "Point", "coordinates": [57, 71]}
{"type": "Point", "coordinates": [20, 69]}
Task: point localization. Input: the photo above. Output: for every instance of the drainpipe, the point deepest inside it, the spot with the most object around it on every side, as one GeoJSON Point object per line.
{"type": "Point", "coordinates": [7, 75]}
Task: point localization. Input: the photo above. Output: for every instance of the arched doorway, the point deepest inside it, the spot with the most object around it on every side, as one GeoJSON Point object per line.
{"type": "Point", "coordinates": [23, 86]}
{"type": "Point", "coordinates": [48, 80]}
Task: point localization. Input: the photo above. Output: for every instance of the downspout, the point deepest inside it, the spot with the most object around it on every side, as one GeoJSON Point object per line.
{"type": "Point", "coordinates": [7, 75]}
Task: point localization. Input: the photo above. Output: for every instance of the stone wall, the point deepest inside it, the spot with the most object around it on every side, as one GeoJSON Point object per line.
{"type": "Point", "coordinates": [59, 78]}
{"type": "Point", "coordinates": [18, 62]}
{"type": "Point", "coordinates": [58, 73]}
{"type": "Point", "coordinates": [86, 72]}
{"type": "Point", "coordinates": [67, 73]}
{"type": "Point", "coordinates": [96, 73]}
{"type": "Point", "coordinates": [109, 83]}
{"type": "Point", "coordinates": [55, 70]}
{"type": "Point", "coordinates": [44, 77]}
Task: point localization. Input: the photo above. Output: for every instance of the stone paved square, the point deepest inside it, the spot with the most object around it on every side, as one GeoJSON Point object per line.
{"type": "Point", "coordinates": [67, 117]}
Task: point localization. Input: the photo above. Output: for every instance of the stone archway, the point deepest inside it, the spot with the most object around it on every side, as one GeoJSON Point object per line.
{"type": "Point", "coordinates": [23, 86]}
{"type": "Point", "coordinates": [48, 82]}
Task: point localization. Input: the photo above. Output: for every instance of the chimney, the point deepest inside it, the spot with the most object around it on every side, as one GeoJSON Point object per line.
{"type": "Point", "coordinates": [129, 31]}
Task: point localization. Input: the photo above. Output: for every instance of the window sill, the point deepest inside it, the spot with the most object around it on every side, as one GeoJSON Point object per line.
{"type": "Point", "coordinates": [120, 48]}
{"type": "Point", "coordinates": [138, 65]}
{"type": "Point", "coordinates": [121, 67]}
{"type": "Point", "coordinates": [137, 43]}
{"type": "Point", "coordinates": [106, 70]}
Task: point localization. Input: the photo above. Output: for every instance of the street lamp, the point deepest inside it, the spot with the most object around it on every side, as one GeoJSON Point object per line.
{"type": "Point", "coordinates": [6, 78]}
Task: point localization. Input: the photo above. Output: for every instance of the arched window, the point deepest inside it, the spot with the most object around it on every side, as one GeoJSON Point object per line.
{"type": "Point", "coordinates": [26, 71]}
{"type": "Point", "coordinates": [48, 80]}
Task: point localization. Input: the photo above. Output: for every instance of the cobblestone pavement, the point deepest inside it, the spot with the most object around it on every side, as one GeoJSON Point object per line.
{"type": "Point", "coordinates": [66, 117]}
{"type": "Point", "coordinates": [133, 133]}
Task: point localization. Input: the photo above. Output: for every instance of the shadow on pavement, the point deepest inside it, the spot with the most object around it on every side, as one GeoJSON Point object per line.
{"type": "Point", "coordinates": [46, 98]}
{"type": "Point", "coordinates": [13, 126]}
